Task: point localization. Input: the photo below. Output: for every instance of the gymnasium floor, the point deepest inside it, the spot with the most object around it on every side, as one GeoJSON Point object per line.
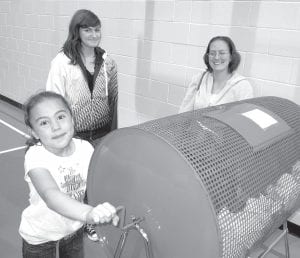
{"type": "Point", "coordinates": [14, 192]}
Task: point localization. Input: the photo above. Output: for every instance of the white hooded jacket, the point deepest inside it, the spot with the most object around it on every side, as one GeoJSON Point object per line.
{"type": "Point", "coordinates": [200, 96]}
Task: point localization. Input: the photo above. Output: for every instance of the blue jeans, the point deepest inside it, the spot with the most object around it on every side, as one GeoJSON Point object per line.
{"type": "Point", "coordinates": [69, 247]}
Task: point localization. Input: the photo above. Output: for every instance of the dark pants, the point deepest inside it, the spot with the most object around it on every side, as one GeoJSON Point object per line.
{"type": "Point", "coordinates": [69, 247]}
{"type": "Point", "coordinates": [94, 136]}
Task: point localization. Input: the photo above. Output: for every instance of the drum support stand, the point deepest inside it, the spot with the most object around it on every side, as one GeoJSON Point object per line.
{"type": "Point", "coordinates": [284, 235]}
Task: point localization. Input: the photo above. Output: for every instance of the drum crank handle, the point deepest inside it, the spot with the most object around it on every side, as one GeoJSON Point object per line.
{"type": "Point", "coordinates": [121, 211]}
{"type": "Point", "coordinates": [147, 243]}
{"type": "Point", "coordinates": [135, 225]}
{"type": "Point", "coordinates": [121, 244]}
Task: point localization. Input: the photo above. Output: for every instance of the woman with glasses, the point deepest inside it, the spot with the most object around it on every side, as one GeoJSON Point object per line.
{"type": "Point", "coordinates": [220, 83]}
{"type": "Point", "coordinates": [86, 76]}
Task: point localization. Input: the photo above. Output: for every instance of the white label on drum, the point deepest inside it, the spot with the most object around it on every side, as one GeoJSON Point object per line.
{"type": "Point", "coordinates": [262, 119]}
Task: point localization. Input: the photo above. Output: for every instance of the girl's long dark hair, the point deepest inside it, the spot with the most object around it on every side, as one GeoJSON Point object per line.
{"type": "Point", "coordinates": [32, 102]}
{"type": "Point", "coordinates": [81, 19]}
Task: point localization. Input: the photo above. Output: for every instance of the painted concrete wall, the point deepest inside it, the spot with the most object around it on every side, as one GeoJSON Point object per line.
{"type": "Point", "coordinates": [158, 46]}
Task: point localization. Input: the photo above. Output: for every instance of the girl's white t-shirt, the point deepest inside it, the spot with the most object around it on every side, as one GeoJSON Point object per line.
{"type": "Point", "coordinates": [39, 224]}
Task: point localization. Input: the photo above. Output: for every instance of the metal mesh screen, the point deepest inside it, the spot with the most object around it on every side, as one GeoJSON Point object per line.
{"type": "Point", "coordinates": [251, 192]}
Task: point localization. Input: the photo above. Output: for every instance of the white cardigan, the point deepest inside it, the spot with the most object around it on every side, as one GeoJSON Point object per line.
{"type": "Point", "coordinates": [90, 112]}
{"type": "Point", "coordinates": [236, 88]}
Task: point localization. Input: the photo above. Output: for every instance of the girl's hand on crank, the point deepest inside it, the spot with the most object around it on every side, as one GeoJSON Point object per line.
{"type": "Point", "coordinates": [103, 213]}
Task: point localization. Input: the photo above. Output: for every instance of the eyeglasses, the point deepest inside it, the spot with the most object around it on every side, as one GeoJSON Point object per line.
{"type": "Point", "coordinates": [219, 53]}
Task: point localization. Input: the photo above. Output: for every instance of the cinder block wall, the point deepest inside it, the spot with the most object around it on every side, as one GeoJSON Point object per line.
{"type": "Point", "coordinates": [158, 46]}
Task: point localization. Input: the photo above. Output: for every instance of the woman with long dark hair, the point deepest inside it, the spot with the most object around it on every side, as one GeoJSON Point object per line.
{"type": "Point", "coordinates": [87, 77]}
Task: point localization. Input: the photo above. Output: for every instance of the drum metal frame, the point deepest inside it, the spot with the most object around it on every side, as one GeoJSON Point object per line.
{"type": "Point", "coordinates": [284, 235]}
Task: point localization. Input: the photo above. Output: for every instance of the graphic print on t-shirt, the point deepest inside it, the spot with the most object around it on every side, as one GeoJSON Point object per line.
{"type": "Point", "coordinates": [72, 183]}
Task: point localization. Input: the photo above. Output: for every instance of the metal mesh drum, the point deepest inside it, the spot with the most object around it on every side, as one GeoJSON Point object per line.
{"type": "Point", "coordinates": [213, 182]}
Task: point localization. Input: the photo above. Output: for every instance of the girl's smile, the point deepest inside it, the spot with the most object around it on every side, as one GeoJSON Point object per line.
{"type": "Point", "coordinates": [58, 136]}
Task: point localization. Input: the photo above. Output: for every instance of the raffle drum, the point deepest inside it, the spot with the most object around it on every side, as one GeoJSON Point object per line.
{"type": "Point", "coordinates": [214, 182]}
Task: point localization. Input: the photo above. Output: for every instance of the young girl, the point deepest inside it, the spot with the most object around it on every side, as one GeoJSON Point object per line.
{"type": "Point", "coordinates": [56, 167]}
